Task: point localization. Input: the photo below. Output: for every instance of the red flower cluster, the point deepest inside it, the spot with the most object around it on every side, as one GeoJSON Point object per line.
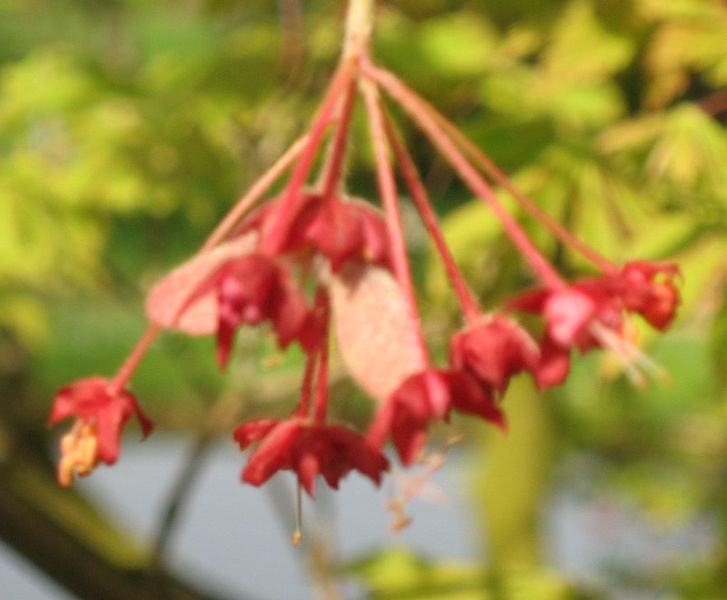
{"type": "Point", "coordinates": [261, 266]}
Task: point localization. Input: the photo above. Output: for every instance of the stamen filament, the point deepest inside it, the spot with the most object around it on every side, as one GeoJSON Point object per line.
{"type": "Point", "coordinates": [629, 354]}
{"type": "Point", "coordinates": [297, 536]}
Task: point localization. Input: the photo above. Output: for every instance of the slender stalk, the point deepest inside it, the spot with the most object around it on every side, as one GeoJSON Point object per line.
{"type": "Point", "coordinates": [421, 199]}
{"type": "Point", "coordinates": [306, 388]}
{"type": "Point", "coordinates": [274, 235]}
{"type": "Point", "coordinates": [238, 211]}
{"type": "Point", "coordinates": [387, 188]}
{"type": "Point", "coordinates": [133, 359]}
{"type": "Point", "coordinates": [332, 172]}
{"type": "Point", "coordinates": [469, 175]}
{"type": "Point", "coordinates": [488, 166]}
{"type": "Point", "coordinates": [323, 308]}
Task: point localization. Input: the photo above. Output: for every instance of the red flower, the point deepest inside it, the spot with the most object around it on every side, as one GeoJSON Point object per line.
{"type": "Point", "coordinates": [309, 450]}
{"type": "Point", "coordinates": [340, 229]}
{"type": "Point", "coordinates": [572, 315]}
{"type": "Point", "coordinates": [648, 289]}
{"type": "Point", "coordinates": [422, 398]}
{"type": "Point", "coordinates": [570, 312]}
{"type": "Point", "coordinates": [100, 417]}
{"type": "Point", "coordinates": [493, 350]}
{"type": "Point", "coordinates": [588, 314]}
{"type": "Point", "coordinates": [253, 289]}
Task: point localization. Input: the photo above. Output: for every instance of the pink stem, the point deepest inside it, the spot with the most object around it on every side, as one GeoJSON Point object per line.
{"type": "Point", "coordinates": [387, 187]}
{"type": "Point", "coordinates": [133, 359]}
{"type": "Point", "coordinates": [489, 167]}
{"type": "Point", "coordinates": [332, 174]}
{"type": "Point", "coordinates": [468, 174]}
{"type": "Point", "coordinates": [498, 175]}
{"type": "Point", "coordinates": [274, 235]}
{"type": "Point", "coordinates": [323, 310]}
{"type": "Point", "coordinates": [419, 194]}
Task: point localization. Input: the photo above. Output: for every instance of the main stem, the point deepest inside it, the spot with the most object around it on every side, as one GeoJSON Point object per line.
{"type": "Point", "coordinates": [359, 25]}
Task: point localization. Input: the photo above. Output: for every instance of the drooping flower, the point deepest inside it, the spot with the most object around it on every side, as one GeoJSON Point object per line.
{"type": "Point", "coordinates": [340, 229]}
{"type": "Point", "coordinates": [424, 397]}
{"type": "Point", "coordinates": [590, 313]}
{"type": "Point", "coordinates": [493, 350]}
{"type": "Point", "coordinates": [308, 449]}
{"type": "Point", "coordinates": [648, 288]}
{"type": "Point", "coordinates": [253, 289]}
{"type": "Point", "coordinates": [572, 315]}
{"type": "Point", "coordinates": [100, 416]}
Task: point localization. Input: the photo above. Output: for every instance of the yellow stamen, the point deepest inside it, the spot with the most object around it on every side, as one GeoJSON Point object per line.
{"type": "Point", "coordinates": [412, 487]}
{"type": "Point", "coordinates": [297, 537]}
{"type": "Point", "coordinates": [79, 453]}
{"type": "Point", "coordinates": [633, 360]}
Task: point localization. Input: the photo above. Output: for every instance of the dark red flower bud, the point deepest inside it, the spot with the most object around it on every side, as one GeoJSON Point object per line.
{"type": "Point", "coordinates": [493, 350]}
{"type": "Point", "coordinates": [253, 289]}
{"type": "Point", "coordinates": [338, 228]}
{"type": "Point", "coordinates": [648, 288]}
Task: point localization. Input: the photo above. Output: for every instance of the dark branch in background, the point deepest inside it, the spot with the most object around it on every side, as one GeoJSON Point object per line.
{"type": "Point", "coordinates": [27, 526]}
{"type": "Point", "coordinates": [179, 495]}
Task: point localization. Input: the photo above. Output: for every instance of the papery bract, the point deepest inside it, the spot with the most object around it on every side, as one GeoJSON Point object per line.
{"type": "Point", "coordinates": [175, 301]}
{"type": "Point", "coordinates": [375, 339]}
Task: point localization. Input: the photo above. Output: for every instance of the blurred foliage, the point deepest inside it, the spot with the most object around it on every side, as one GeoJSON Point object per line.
{"type": "Point", "coordinates": [127, 127]}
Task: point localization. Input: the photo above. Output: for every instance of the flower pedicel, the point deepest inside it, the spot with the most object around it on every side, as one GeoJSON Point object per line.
{"type": "Point", "coordinates": [257, 264]}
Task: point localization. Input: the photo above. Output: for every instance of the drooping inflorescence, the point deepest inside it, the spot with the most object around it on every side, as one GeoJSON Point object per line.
{"type": "Point", "coordinates": [314, 261]}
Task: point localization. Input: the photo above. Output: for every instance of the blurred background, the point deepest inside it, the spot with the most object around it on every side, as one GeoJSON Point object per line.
{"type": "Point", "coordinates": [128, 127]}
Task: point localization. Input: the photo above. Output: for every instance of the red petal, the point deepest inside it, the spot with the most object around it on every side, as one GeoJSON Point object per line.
{"type": "Point", "coordinates": [554, 365]}
{"type": "Point", "coordinates": [273, 454]}
{"type": "Point", "coordinates": [253, 431]}
{"type": "Point", "coordinates": [470, 397]}
{"type": "Point", "coordinates": [568, 313]}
